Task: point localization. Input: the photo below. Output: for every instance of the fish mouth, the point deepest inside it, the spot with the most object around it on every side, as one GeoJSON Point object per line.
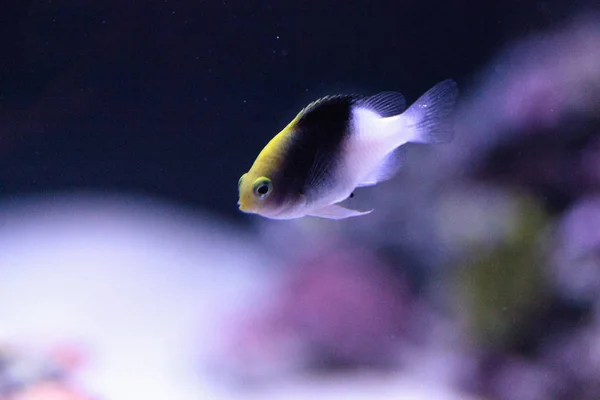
{"type": "Point", "coordinates": [243, 208]}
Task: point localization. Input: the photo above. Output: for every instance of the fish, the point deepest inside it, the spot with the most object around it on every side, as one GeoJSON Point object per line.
{"type": "Point", "coordinates": [339, 143]}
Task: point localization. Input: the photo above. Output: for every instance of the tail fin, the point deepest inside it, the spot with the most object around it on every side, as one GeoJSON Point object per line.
{"type": "Point", "coordinates": [430, 115]}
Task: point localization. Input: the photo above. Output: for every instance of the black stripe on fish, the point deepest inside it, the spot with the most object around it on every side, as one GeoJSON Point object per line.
{"type": "Point", "coordinates": [315, 146]}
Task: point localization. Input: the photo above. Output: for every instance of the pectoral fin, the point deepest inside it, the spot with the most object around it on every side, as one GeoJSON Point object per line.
{"type": "Point", "coordinates": [386, 169]}
{"type": "Point", "coordinates": [335, 211]}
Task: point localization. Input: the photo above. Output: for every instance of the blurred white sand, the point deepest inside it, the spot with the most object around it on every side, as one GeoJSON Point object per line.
{"type": "Point", "coordinates": [141, 285]}
{"type": "Point", "coordinates": [145, 288]}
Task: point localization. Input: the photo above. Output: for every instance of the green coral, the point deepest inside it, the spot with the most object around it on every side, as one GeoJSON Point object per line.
{"type": "Point", "coordinates": [503, 288]}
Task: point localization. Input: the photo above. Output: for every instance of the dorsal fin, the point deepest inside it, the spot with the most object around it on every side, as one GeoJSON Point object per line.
{"type": "Point", "coordinates": [386, 104]}
{"type": "Point", "coordinates": [326, 100]}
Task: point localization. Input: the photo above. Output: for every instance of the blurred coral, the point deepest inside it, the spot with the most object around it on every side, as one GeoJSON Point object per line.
{"type": "Point", "coordinates": [500, 283]}
{"type": "Point", "coordinates": [28, 373]}
{"type": "Point", "coordinates": [517, 378]}
{"type": "Point", "coordinates": [50, 391]}
{"type": "Point", "coordinates": [342, 306]}
{"type": "Point", "coordinates": [590, 164]}
{"type": "Point", "coordinates": [574, 266]}
{"type": "Point", "coordinates": [347, 305]}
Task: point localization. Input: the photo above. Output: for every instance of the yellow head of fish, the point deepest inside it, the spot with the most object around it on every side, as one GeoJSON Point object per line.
{"type": "Point", "coordinates": [262, 189]}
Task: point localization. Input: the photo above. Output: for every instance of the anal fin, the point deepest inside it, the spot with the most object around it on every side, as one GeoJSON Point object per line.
{"type": "Point", "coordinates": [335, 211]}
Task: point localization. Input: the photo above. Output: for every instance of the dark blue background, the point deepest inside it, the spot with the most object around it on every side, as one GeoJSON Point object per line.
{"type": "Point", "coordinates": [176, 98]}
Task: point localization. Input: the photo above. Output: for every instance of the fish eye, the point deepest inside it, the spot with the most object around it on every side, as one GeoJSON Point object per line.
{"type": "Point", "coordinates": [262, 187]}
